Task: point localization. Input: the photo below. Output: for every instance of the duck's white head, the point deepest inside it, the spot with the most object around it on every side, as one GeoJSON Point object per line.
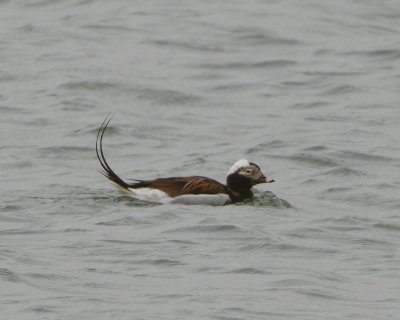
{"type": "Point", "coordinates": [248, 171]}
{"type": "Point", "coordinates": [242, 163]}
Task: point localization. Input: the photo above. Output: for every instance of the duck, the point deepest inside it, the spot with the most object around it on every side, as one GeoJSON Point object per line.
{"type": "Point", "coordinates": [242, 176]}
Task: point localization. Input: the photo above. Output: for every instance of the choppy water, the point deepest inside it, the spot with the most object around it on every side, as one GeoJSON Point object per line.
{"type": "Point", "coordinates": [308, 90]}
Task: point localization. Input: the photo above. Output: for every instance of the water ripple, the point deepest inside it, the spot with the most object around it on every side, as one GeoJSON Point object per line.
{"type": "Point", "coordinates": [249, 65]}
{"type": "Point", "coordinates": [212, 228]}
{"type": "Point", "coordinates": [186, 45]}
{"type": "Point", "coordinates": [248, 270]}
{"type": "Point", "coordinates": [8, 275]}
{"type": "Point", "coordinates": [313, 160]}
{"type": "Point", "coordinates": [161, 262]}
{"type": "Point", "coordinates": [344, 171]}
{"type": "Point", "coordinates": [363, 156]}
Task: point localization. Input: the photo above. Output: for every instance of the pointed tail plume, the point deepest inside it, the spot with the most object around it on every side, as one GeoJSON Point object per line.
{"type": "Point", "coordinates": [107, 171]}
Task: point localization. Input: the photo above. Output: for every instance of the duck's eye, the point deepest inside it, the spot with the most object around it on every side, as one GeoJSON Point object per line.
{"type": "Point", "coordinates": [249, 171]}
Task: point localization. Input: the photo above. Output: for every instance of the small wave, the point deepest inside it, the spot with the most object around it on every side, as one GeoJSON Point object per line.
{"type": "Point", "coordinates": [248, 270]}
{"type": "Point", "coordinates": [340, 89]}
{"type": "Point", "coordinates": [186, 45]}
{"type": "Point", "coordinates": [75, 230]}
{"type": "Point", "coordinates": [270, 244]}
{"type": "Point", "coordinates": [249, 65]}
{"type": "Point", "coordinates": [363, 156]}
{"type": "Point", "coordinates": [232, 87]}
{"type": "Point", "coordinates": [6, 109]}
{"type": "Point", "coordinates": [93, 85]}
{"type": "Point", "coordinates": [42, 309]}
{"type": "Point", "coordinates": [337, 190]}
{"type": "Point", "coordinates": [260, 38]}
{"type": "Point", "coordinates": [346, 223]}
{"type": "Point", "coordinates": [130, 220]}
{"type": "Point", "coordinates": [329, 74]}
{"type": "Point", "coordinates": [161, 262]}
{"type": "Point", "coordinates": [387, 54]}
{"type": "Point", "coordinates": [212, 228]}
{"type": "Point", "coordinates": [372, 242]}
{"type": "Point", "coordinates": [47, 276]}
{"type": "Point", "coordinates": [8, 208]}
{"type": "Point", "coordinates": [63, 152]}
{"type": "Point", "coordinates": [168, 97]}
{"type": "Point", "coordinates": [104, 27]}
{"type": "Point", "coordinates": [387, 226]}
{"type": "Point", "coordinates": [18, 164]}
{"type": "Point", "coordinates": [316, 148]}
{"type": "Point", "coordinates": [343, 171]}
{"type": "Point", "coordinates": [274, 144]}
{"type": "Point", "coordinates": [317, 293]}
{"type": "Point", "coordinates": [78, 104]}
{"type": "Point", "coordinates": [66, 149]}
{"type": "Point", "coordinates": [313, 160]}
{"type": "Point", "coordinates": [310, 105]}
{"type": "Point", "coordinates": [8, 275]}
{"type": "Point", "coordinates": [23, 232]}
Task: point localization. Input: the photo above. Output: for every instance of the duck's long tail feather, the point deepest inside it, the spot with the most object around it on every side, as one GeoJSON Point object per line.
{"type": "Point", "coordinates": [107, 171]}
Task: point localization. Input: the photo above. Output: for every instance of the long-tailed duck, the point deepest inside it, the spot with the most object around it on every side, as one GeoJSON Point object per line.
{"type": "Point", "coordinates": [242, 176]}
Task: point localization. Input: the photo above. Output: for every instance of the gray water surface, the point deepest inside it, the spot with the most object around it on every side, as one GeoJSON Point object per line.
{"type": "Point", "coordinates": [308, 90]}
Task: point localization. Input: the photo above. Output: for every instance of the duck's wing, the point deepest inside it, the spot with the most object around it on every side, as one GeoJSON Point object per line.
{"type": "Point", "coordinates": [178, 186]}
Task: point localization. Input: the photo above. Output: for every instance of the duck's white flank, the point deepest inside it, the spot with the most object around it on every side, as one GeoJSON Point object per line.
{"type": "Point", "coordinates": [238, 165]}
{"type": "Point", "coordinates": [155, 195]}
{"type": "Point", "coordinates": [219, 199]}
{"type": "Point", "coordinates": [149, 194]}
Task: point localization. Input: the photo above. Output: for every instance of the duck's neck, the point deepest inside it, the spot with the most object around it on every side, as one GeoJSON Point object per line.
{"type": "Point", "coordinates": [239, 188]}
{"type": "Point", "coordinates": [238, 196]}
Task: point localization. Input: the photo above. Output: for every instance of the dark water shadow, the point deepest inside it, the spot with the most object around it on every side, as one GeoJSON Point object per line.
{"type": "Point", "coordinates": [266, 199]}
